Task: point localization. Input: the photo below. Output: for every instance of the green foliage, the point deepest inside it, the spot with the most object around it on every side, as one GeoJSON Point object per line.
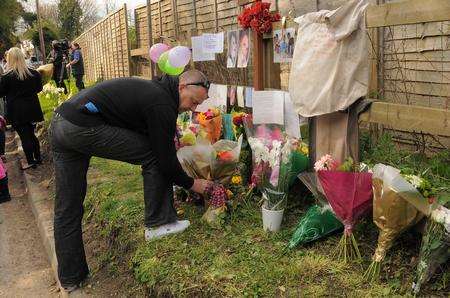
{"type": "Point", "coordinates": [10, 11]}
{"type": "Point", "coordinates": [50, 32]}
{"type": "Point", "coordinates": [70, 14]}
{"type": "Point", "coordinates": [435, 169]}
{"type": "Point", "coordinates": [29, 18]}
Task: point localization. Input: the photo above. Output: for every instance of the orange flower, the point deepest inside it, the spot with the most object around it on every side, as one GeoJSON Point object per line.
{"type": "Point", "coordinates": [225, 156]}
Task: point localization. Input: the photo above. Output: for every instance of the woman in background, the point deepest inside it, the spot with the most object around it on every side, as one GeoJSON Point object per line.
{"type": "Point", "coordinates": [20, 86]}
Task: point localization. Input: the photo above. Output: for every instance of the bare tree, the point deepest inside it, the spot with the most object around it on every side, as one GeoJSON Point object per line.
{"type": "Point", "coordinates": [110, 6]}
{"type": "Point", "coordinates": [90, 13]}
{"type": "Point", "coordinates": [49, 11]}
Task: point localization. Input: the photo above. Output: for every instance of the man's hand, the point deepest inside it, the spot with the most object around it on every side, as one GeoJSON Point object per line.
{"type": "Point", "coordinates": [68, 65]}
{"type": "Point", "coordinates": [200, 185]}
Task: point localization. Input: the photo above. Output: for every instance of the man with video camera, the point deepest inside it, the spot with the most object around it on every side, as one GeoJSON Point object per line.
{"type": "Point", "coordinates": [59, 56]}
{"type": "Point", "coordinates": [76, 63]}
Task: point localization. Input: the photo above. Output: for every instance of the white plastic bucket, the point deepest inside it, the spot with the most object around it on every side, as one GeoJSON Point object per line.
{"type": "Point", "coordinates": [272, 219]}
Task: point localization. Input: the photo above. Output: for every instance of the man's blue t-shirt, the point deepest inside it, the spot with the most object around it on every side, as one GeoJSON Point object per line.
{"type": "Point", "coordinates": [77, 68]}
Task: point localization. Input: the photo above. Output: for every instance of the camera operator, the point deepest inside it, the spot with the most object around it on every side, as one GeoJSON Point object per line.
{"type": "Point", "coordinates": [58, 56]}
{"type": "Point", "coordinates": [76, 62]}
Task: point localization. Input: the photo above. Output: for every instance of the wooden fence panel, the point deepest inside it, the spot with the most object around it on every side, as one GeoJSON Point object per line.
{"type": "Point", "coordinates": [106, 49]}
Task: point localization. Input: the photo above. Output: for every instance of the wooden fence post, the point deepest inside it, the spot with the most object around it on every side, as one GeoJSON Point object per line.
{"type": "Point", "coordinates": [150, 36]}
{"type": "Point", "coordinates": [258, 61]}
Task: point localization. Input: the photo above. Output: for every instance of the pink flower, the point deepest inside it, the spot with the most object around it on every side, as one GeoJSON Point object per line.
{"type": "Point", "coordinates": [276, 135]}
{"type": "Point", "coordinates": [262, 132]}
{"type": "Point", "coordinates": [274, 176]}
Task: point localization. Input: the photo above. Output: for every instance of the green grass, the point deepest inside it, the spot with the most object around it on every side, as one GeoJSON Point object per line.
{"type": "Point", "coordinates": [239, 259]}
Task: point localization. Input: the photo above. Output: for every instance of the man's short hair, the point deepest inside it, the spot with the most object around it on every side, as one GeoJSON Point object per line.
{"type": "Point", "coordinates": [193, 76]}
{"type": "Point", "coordinates": [76, 45]}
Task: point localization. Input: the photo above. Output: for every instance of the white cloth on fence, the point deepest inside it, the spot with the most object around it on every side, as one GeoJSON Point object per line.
{"type": "Point", "coordinates": [330, 67]}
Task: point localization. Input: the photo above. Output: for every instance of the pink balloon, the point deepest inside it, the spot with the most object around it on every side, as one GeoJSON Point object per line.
{"type": "Point", "coordinates": [179, 56]}
{"type": "Point", "coordinates": [156, 51]}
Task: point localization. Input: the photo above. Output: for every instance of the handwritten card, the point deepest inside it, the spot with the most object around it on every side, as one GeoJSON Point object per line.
{"type": "Point", "coordinates": [213, 42]}
{"type": "Point", "coordinates": [268, 107]}
{"type": "Point", "coordinates": [291, 118]}
{"type": "Point", "coordinates": [197, 50]}
{"type": "Point", "coordinates": [240, 96]}
{"type": "Point", "coordinates": [248, 96]}
{"type": "Point", "coordinates": [222, 95]}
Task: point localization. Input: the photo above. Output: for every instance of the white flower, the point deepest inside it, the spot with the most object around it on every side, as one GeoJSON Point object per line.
{"type": "Point", "coordinates": [442, 215]}
{"type": "Point", "coordinates": [286, 152]}
{"type": "Point", "coordinates": [414, 180]}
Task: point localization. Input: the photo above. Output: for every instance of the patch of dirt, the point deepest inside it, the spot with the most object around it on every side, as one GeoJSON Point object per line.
{"type": "Point", "coordinates": [24, 267]}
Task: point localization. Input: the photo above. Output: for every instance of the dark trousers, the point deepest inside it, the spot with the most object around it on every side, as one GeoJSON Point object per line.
{"type": "Point", "coordinates": [79, 81]}
{"type": "Point", "coordinates": [30, 143]}
{"type": "Point", "coordinates": [61, 84]}
{"type": "Point", "coordinates": [72, 148]}
{"type": "Point", "coordinates": [2, 142]}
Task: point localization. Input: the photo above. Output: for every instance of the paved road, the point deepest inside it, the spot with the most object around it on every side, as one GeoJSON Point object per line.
{"type": "Point", "coordinates": [24, 268]}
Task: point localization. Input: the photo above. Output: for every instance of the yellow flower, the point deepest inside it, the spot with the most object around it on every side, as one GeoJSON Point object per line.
{"type": "Point", "coordinates": [236, 180]}
{"type": "Point", "coordinates": [305, 150]}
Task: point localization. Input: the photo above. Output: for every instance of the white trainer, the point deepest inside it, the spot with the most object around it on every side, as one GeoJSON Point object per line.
{"type": "Point", "coordinates": [167, 229]}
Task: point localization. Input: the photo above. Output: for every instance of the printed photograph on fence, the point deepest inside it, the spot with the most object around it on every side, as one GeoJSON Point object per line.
{"type": "Point", "coordinates": [231, 96]}
{"type": "Point", "coordinates": [232, 42]}
{"type": "Point", "coordinates": [244, 48]}
{"type": "Point", "coordinates": [283, 45]}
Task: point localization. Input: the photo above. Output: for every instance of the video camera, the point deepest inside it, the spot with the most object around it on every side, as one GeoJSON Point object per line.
{"type": "Point", "coordinates": [61, 46]}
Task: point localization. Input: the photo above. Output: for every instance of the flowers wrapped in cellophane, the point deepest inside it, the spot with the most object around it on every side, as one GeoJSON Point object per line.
{"type": "Point", "coordinates": [217, 162]}
{"type": "Point", "coordinates": [349, 192]}
{"type": "Point", "coordinates": [317, 223]}
{"type": "Point", "coordinates": [435, 249]}
{"type": "Point", "coordinates": [391, 213]}
{"type": "Point", "coordinates": [211, 124]}
{"type": "Point", "coordinates": [272, 152]}
{"type": "Point", "coordinates": [320, 220]}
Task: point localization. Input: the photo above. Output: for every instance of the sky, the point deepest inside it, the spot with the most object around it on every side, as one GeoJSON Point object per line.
{"type": "Point", "coordinates": [131, 4]}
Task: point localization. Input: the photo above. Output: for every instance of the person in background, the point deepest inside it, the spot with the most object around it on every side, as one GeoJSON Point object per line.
{"type": "Point", "coordinates": [59, 69]}
{"type": "Point", "coordinates": [77, 65]}
{"type": "Point", "coordinates": [20, 86]}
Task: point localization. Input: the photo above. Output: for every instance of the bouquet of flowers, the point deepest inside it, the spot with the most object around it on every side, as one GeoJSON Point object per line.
{"type": "Point", "coordinates": [215, 162]}
{"type": "Point", "coordinates": [238, 123]}
{"type": "Point", "coordinates": [258, 17]}
{"type": "Point", "coordinates": [211, 123]}
{"type": "Point", "coordinates": [51, 92]}
{"type": "Point", "coordinates": [391, 213]}
{"type": "Point", "coordinates": [349, 192]}
{"type": "Point", "coordinates": [435, 249]}
{"type": "Point", "coordinates": [318, 222]}
{"type": "Point", "coordinates": [218, 163]}
{"type": "Point", "coordinates": [300, 160]}
{"type": "Point", "coordinates": [217, 198]}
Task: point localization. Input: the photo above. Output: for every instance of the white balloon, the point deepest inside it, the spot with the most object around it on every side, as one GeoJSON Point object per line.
{"type": "Point", "coordinates": [179, 56]}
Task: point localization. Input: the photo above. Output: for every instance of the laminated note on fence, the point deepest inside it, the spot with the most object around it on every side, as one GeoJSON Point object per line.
{"type": "Point", "coordinates": [222, 95]}
{"type": "Point", "coordinates": [218, 95]}
{"type": "Point", "coordinates": [213, 42]}
{"type": "Point", "coordinates": [291, 118]}
{"type": "Point", "coordinates": [207, 104]}
{"type": "Point", "coordinates": [268, 107]}
{"type": "Point", "coordinates": [248, 96]}
{"type": "Point", "coordinates": [240, 96]}
{"type": "Point", "coordinates": [197, 50]}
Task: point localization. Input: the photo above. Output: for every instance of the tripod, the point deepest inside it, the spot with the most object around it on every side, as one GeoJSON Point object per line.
{"type": "Point", "coordinates": [61, 73]}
